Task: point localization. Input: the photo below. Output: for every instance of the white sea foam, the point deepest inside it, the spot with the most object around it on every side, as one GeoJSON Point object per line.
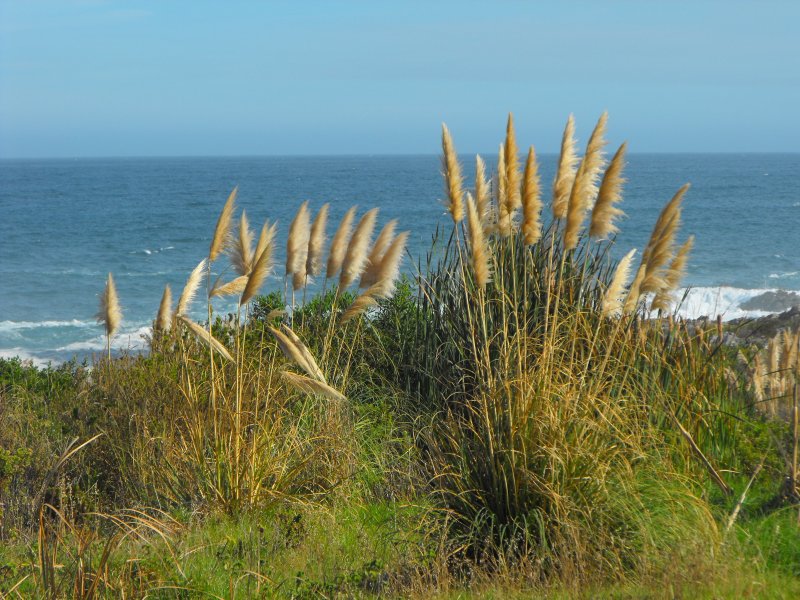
{"type": "Point", "coordinates": [725, 301]}
{"type": "Point", "coordinates": [7, 326]}
{"type": "Point", "coordinates": [787, 275]}
{"type": "Point", "coordinates": [131, 339]}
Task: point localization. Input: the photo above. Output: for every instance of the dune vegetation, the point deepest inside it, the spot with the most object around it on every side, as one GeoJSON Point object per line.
{"type": "Point", "coordinates": [522, 417]}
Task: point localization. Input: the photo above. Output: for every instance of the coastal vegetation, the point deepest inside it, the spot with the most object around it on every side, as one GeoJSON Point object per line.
{"type": "Point", "coordinates": [524, 416]}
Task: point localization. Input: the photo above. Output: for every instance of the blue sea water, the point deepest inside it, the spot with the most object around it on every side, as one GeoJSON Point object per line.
{"type": "Point", "coordinates": [64, 224]}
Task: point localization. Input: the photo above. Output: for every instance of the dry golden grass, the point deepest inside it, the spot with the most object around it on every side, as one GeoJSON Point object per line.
{"type": "Point", "coordinates": [615, 295]}
{"type": "Point", "coordinates": [479, 250]}
{"type": "Point", "coordinates": [375, 257]}
{"type": "Point", "coordinates": [190, 289]}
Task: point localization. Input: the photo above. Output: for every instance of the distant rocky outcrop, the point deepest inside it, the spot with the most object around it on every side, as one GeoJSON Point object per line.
{"type": "Point", "coordinates": [773, 302]}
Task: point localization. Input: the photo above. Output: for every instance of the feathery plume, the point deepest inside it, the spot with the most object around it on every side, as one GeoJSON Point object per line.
{"type": "Point", "coordinates": [257, 275]}
{"type": "Point", "coordinates": [356, 255]}
{"type": "Point", "coordinates": [341, 240]}
{"type": "Point", "coordinates": [235, 286]}
{"type": "Point", "coordinates": [615, 294]}
{"type": "Point", "coordinates": [635, 292]}
{"type": "Point", "coordinates": [478, 247]}
{"type": "Point", "coordinates": [385, 279]}
{"type": "Point", "coordinates": [584, 187]}
{"type": "Point", "coordinates": [481, 190]}
{"type": "Point", "coordinates": [314, 369]}
{"type": "Point", "coordinates": [242, 248]}
{"type": "Point", "coordinates": [452, 176]}
{"type": "Point", "coordinates": [265, 241]}
{"type": "Point", "coordinates": [110, 314]}
{"type": "Point", "coordinates": [673, 276]}
{"type": "Point", "coordinates": [565, 173]}
{"type": "Point", "coordinates": [504, 222]}
{"type": "Point", "coordinates": [311, 386]}
{"type": "Point", "coordinates": [190, 289]}
{"type": "Point", "coordinates": [605, 210]}
{"type": "Point", "coordinates": [512, 166]}
{"type": "Point", "coordinates": [223, 228]}
{"type": "Point", "coordinates": [297, 242]}
{"type": "Point", "coordinates": [376, 254]}
{"type": "Point", "coordinates": [659, 249]}
{"type": "Point", "coordinates": [757, 381]}
{"type": "Point", "coordinates": [205, 336]}
{"type": "Point", "coordinates": [164, 316]}
{"type": "Point", "coordinates": [531, 200]}
{"type": "Point", "coordinates": [316, 242]}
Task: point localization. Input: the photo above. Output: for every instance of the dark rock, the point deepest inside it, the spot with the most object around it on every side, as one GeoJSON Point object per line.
{"type": "Point", "coordinates": [772, 301]}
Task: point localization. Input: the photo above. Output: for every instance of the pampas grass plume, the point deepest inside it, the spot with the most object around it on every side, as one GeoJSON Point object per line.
{"type": "Point", "coordinates": [110, 313]}
{"type": "Point", "coordinates": [375, 257]}
{"type": "Point", "coordinates": [511, 152]}
{"type": "Point", "coordinates": [673, 276]}
{"type": "Point", "coordinates": [164, 316]}
{"type": "Point", "coordinates": [531, 200]}
{"type": "Point", "coordinates": [605, 209]}
{"type": "Point", "coordinates": [206, 337]}
{"type": "Point", "coordinates": [242, 248]}
{"type": "Point", "coordinates": [356, 256]}
{"type": "Point", "coordinates": [257, 275]}
{"type": "Point", "coordinates": [478, 247]}
{"type": "Point", "coordinates": [565, 172]}
{"type": "Point", "coordinates": [341, 240]}
{"type": "Point", "coordinates": [190, 289]}
{"type": "Point", "coordinates": [612, 301]}
{"type": "Point", "coordinates": [223, 228]}
{"type": "Point", "coordinates": [316, 242]}
{"type": "Point", "coordinates": [584, 186]}
{"type": "Point", "coordinates": [481, 190]}
{"type": "Point", "coordinates": [452, 175]}
{"type": "Point", "coordinates": [504, 223]}
{"type": "Point", "coordinates": [659, 249]}
{"type": "Point", "coordinates": [297, 242]}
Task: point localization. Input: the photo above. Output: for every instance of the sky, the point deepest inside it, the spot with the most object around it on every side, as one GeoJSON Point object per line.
{"type": "Point", "coordinates": [179, 77]}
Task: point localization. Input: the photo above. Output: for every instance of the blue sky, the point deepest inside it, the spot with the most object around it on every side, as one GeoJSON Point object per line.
{"type": "Point", "coordinates": [173, 77]}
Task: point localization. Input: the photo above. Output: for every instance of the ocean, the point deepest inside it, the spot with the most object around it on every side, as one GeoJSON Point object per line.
{"type": "Point", "coordinates": [66, 223]}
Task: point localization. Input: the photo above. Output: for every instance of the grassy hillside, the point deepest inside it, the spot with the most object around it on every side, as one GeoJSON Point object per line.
{"type": "Point", "coordinates": [523, 418]}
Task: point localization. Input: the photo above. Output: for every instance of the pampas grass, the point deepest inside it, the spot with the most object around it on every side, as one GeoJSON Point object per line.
{"type": "Point", "coordinates": [297, 244]}
{"type": "Point", "coordinates": [615, 294]}
{"type": "Point", "coordinates": [479, 250]}
{"type": "Point", "coordinates": [385, 278]}
{"type": "Point", "coordinates": [511, 153]}
{"type": "Point", "coordinates": [531, 200]}
{"type": "Point", "coordinates": [341, 239]}
{"type": "Point", "coordinates": [233, 287]}
{"type": "Point", "coordinates": [504, 223]}
{"type": "Point", "coordinates": [223, 228]}
{"type": "Point", "coordinates": [163, 320]}
{"type": "Point", "coordinates": [312, 386]}
{"type": "Point", "coordinates": [584, 187]}
{"type": "Point", "coordinates": [605, 210]}
{"type": "Point", "coordinates": [356, 256]}
{"type": "Point", "coordinates": [190, 289]}
{"type": "Point", "coordinates": [565, 172]}
{"type": "Point", "coordinates": [257, 275]}
{"type": "Point", "coordinates": [316, 242]}
{"type": "Point", "coordinates": [453, 178]}
{"type": "Point", "coordinates": [205, 336]}
{"type": "Point", "coordinates": [110, 313]}
{"type": "Point", "coordinates": [672, 278]}
{"type": "Point", "coordinates": [659, 249]}
{"type": "Point", "coordinates": [379, 247]}
{"type": "Point", "coordinates": [242, 248]}
{"type": "Point", "coordinates": [481, 191]}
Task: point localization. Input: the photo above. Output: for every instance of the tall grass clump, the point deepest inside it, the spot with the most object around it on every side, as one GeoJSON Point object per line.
{"type": "Point", "coordinates": [549, 437]}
